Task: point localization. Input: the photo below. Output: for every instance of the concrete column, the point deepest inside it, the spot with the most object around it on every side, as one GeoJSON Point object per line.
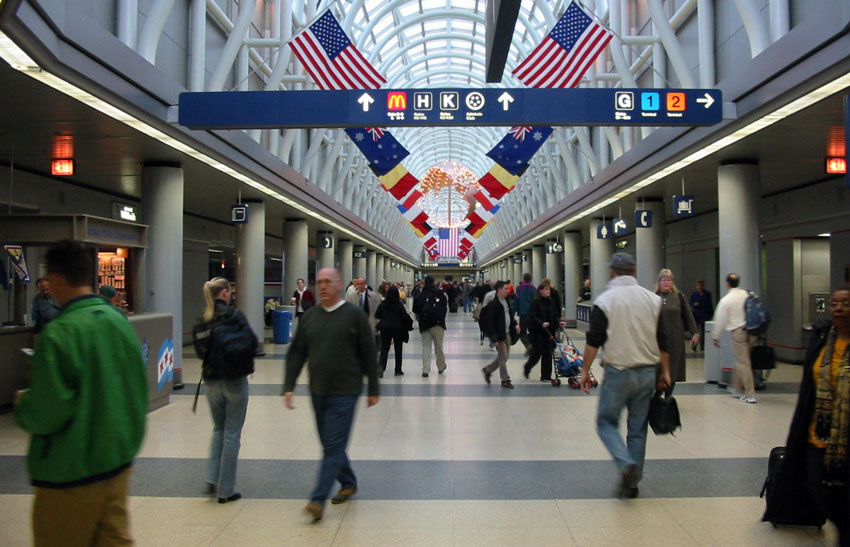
{"type": "Point", "coordinates": [738, 193]}
{"type": "Point", "coordinates": [389, 271]}
{"type": "Point", "coordinates": [371, 270]}
{"type": "Point", "coordinates": [379, 270]}
{"type": "Point", "coordinates": [162, 211]}
{"type": "Point", "coordinates": [346, 260]}
{"type": "Point", "coordinates": [295, 256]}
{"type": "Point", "coordinates": [360, 263]}
{"type": "Point", "coordinates": [600, 254]}
{"type": "Point", "coordinates": [325, 255]}
{"type": "Point", "coordinates": [517, 268]}
{"type": "Point", "coordinates": [250, 266]}
{"type": "Point", "coordinates": [572, 273]}
{"type": "Point", "coordinates": [651, 248]}
{"type": "Point", "coordinates": [538, 264]}
{"type": "Point", "coordinates": [553, 267]}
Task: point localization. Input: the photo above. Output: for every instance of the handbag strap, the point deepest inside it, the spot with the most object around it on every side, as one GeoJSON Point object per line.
{"type": "Point", "coordinates": [197, 394]}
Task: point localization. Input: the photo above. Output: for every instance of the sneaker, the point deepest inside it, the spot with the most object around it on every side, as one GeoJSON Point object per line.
{"type": "Point", "coordinates": [734, 394]}
{"type": "Point", "coordinates": [481, 342]}
{"type": "Point", "coordinates": [315, 510]}
{"type": "Point", "coordinates": [424, 374]}
{"type": "Point", "coordinates": [233, 497]}
{"type": "Point", "coordinates": [628, 482]}
{"type": "Point", "coordinates": [507, 384]}
{"type": "Point", "coordinates": [486, 375]}
{"type": "Point", "coordinates": [751, 400]}
{"type": "Point", "coordinates": [343, 495]}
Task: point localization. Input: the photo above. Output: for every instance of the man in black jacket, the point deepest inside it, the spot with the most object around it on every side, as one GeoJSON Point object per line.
{"type": "Point", "coordinates": [499, 322]}
{"type": "Point", "coordinates": [430, 308]}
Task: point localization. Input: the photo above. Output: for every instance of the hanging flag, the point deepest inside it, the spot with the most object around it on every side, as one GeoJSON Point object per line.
{"type": "Point", "coordinates": [478, 219]}
{"type": "Point", "coordinates": [331, 59]}
{"type": "Point", "coordinates": [566, 53]}
{"type": "Point", "coordinates": [449, 241]}
{"type": "Point", "coordinates": [381, 149]}
{"type": "Point", "coordinates": [498, 182]}
{"type": "Point", "coordinates": [417, 218]}
{"type": "Point", "coordinates": [429, 241]}
{"type": "Point", "coordinates": [19, 262]}
{"type": "Point", "coordinates": [398, 182]}
{"type": "Point", "coordinates": [515, 150]}
{"type": "Point", "coordinates": [410, 199]}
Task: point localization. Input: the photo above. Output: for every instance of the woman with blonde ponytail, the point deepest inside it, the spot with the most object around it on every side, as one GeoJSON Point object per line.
{"type": "Point", "coordinates": [227, 383]}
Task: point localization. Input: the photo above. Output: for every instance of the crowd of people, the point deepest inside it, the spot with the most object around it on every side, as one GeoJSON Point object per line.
{"type": "Point", "coordinates": [88, 383]}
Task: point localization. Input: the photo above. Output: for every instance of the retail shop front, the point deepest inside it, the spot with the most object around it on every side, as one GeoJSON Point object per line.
{"type": "Point", "coordinates": [118, 247]}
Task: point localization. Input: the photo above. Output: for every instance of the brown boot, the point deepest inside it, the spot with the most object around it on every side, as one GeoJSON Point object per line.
{"type": "Point", "coordinates": [315, 510]}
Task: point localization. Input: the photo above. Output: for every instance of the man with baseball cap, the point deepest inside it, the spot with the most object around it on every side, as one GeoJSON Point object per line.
{"type": "Point", "coordinates": [626, 322]}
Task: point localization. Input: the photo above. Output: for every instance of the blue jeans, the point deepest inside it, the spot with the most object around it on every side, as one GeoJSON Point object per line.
{"type": "Point", "coordinates": [334, 416]}
{"type": "Point", "coordinates": [631, 389]}
{"type": "Point", "coordinates": [228, 401]}
{"type": "Point", "coordinates": [468, 304]}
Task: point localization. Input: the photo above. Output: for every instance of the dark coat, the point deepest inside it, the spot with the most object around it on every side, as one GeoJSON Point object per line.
{"type": "Point", "coordinates": [494, 316]}
{"type": "Point", "coordinates": [702, 306]}
{"type": "Point", "coordinates": [543, 310]}
{"type": "Point", "coordinates": [393, 319]}
{"type": "Point", "coordinates": [419, 304]}
{"type": "Point", "coordinates": [792, 499]}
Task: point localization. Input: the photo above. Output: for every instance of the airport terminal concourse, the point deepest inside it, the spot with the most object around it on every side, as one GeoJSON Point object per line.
{"type": "Point", "coordinates": [529, 156]}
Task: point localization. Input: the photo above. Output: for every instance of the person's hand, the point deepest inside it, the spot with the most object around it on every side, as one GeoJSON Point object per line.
{"type": "Point", "coordinates": [546, 324]}
{"type": "Point", "coordinates": [373, 400]}
{"type": "Point", "coordinates": [586, 382]}
{"type": "Point", "coordinates": [496, 344]}
{"type": "Point", "coordinates": [563, 323]}
{"type": "Point", "coordinates": [17, 396]}
{"type": "Point", "coordinates": [287, 400]}
{"type": "Point", "coordinates": [518, 329]}
{"type": "Point", "coordinates": [716, 342]}
{"type": "Point", "coordinates": [695, 339]}
{"type": "Point", "coordinates": [663, 381]}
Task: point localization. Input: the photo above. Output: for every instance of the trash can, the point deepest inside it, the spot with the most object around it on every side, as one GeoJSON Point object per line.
{"type": "Point", "coordinates": [281, 326]}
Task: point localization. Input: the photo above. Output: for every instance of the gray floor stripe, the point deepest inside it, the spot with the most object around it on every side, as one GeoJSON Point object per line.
{"type": "Point", "coordinates": [540, 389]}
{"type": "Point", "coordinates": [441, 480]}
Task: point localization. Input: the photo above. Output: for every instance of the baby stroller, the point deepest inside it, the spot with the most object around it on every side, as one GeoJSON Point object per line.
{"type": "Point", "coordinates": [568, 363]}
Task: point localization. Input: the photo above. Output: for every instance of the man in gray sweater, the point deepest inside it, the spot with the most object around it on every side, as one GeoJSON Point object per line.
{"type": "Point", "coordinates": [336, 342]}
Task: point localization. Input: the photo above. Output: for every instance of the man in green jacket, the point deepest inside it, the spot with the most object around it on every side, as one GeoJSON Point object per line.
{"type": "Point", "coordinates": [86, 410]}
{"type": "Point", "coordinates": [336, 341]}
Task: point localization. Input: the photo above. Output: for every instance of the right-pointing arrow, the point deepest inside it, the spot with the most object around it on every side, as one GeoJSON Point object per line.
{"type": "Point", "coordinates": [707, 100]}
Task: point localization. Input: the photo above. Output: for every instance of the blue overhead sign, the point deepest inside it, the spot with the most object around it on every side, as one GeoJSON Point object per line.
{"type": "Point", "coordinates": [449, 107]}
{"type": "Point", "coordinates": [643, 218]}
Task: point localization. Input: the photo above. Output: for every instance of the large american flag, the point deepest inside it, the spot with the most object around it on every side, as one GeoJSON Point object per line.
{"type": "Point", "coordinates": [331, 59]}
{"type": "Point", "coordinates": [566, 53]}
{"type": "Point", "coordinates": [449, 241]}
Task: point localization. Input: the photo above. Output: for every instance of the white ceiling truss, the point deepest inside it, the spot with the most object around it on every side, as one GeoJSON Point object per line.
{"type": "Point", "coordinates": [440, 43]}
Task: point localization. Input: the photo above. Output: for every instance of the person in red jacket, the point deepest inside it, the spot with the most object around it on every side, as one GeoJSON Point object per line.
{"type": "Point", "coordinates": [303, 298]}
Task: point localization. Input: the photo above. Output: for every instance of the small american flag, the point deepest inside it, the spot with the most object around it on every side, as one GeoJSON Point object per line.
{"type": "Point", "coordinates": [331, 59]}
{"type": "Point", "coordinates": [566, 53]}
{"type": "Point", "coordinates": [449, 241]}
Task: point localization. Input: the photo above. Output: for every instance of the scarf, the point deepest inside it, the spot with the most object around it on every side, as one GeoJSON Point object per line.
{"type": "Point", "coordinates": [832, 411]}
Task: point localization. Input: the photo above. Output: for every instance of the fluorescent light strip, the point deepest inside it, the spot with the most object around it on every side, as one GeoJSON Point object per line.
{"type": "Point", "coordinates": [779, 114]}
{"type": "Point", "coordinates": [19, 60]}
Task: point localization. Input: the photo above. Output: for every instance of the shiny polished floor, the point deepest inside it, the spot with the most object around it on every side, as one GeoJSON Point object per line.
{"type": "Point", "coordinates": [448, 460]}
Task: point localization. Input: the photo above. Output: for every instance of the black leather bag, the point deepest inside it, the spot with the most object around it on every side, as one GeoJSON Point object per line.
{"type": "Point", "coordinates": [664, 414]}
{"type": "Point", "coordinates": [763, 358]}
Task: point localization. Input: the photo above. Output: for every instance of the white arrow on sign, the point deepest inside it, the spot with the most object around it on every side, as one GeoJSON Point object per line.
{"type": "Point", "coordinates": [365, 100]}
{"type": "Point", "coordinates": [707, 100]}
{"type": "Point", "coordinates": [506, 99]}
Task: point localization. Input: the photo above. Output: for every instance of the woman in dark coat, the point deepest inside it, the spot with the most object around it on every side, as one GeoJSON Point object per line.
{"type": "Point", "coordinates": [543, 323]}
{"type": "Point", "coordinates": [813, 482]}
{"type": "Point", "coordinates": [394, 325]}
{"type": "Point", "coordinates": [677, 319]}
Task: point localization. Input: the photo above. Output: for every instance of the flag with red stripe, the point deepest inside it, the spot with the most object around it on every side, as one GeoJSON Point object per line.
{"type": "Point", "coordinates": [331, 59]}
{"type": "Point", "coordinates": [449, 241]}
{"type": "Point", "coordinates": [398, 182]}
{"type": "Point", "coordinates": [566, 53]}
{"type": "Point", "coordinates": [498, 181]}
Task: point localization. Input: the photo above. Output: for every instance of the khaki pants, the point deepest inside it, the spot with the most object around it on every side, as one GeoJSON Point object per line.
{"type": "Point", "coordinates": [743, 344]}
{"type": "Point", "coordinates": [94, 514]}
{"type": "Point", "coordinates": [503, 351]}
{"type": "Point", "coordinates": [434, 334]}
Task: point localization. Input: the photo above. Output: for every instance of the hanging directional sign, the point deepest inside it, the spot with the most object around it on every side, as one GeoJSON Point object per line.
{"type": "Point", "coordinates": [643, 218]}
{"type": "Point", "coordinates": [621, 227]}
{"type": "Point", "coordinates": [239, 213]}
{"type": "Point", "coordinates": [325, 242]}
{"type": "Point", "coordinates": [359, 254]}
{"type": "Point", "coordinates": [554, 247]}
{"type": "Point", "coordinates": [603, 231]}
{"type": "Point", "coordinates": [449, 107]}
{"type": "Point", "coordinates": [683, 205]}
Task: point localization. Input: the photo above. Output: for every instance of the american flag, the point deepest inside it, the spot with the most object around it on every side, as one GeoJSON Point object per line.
{"type": "Point", "coordinates": [449, 241]}
{"type": "Point", "coordinates": [566, 53]}
{"type": "Point", "coordinates": [331, 59]}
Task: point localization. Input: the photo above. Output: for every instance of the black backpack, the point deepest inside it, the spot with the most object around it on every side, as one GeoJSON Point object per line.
{"type": "Point", "coordinates": [227, 346]}
{"type": "Point", "coordinates": [434, 307]}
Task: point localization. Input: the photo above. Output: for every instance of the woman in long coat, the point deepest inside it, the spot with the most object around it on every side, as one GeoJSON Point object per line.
{"type": "Point", "coordinates": [678, 318]}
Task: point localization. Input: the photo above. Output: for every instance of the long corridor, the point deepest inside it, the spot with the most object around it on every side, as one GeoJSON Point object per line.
{"type": "Point", "coordinates": [449, 460]}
